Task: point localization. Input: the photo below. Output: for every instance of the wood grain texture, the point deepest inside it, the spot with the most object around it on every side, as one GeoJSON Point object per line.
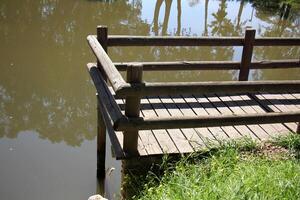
{"type": "Point", "coordinates": [107, 65]}
{"type": "Point", "coordinates": [247, 54]}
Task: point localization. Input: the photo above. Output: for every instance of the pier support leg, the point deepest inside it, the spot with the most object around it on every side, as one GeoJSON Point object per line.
{"type": "Point", "coordinates": [101, 132]}
{"type": "Point", "coordinates": [101, 142]}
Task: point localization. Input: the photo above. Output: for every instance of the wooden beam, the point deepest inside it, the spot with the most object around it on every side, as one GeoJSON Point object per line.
{"type": "Point", "coordinates": [132, 109]}
{"type": "Point", "coordinates": [247, 54]}
{"type": "Point", "coordinates": [207, 121]}
{"type": "Point", "coordinates": [111, 132]}
{"type": "Point", "coordinates": [182, 65]}
{"type": "Point", "coordinates": [210, 65]}
{"type": "Point", "coordinates": [277, 41]}
{"type": "Point", "coordinates": [104, 94]}
{"type": "Point", "coordinates": [229, 87]}
{"type": "Point", "coordinates": [275, 64]}
{"type": "Point", "coordinates": [127, 40]}
{"type": "Point", "coordinates": [110, 70]}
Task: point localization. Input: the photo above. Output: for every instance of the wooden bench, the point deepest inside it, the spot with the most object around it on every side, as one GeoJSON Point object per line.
{"type": "Point", "coordinates": [146, 119]}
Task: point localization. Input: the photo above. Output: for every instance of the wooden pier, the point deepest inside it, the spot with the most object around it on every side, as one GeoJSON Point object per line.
{"type": "Point", "coordinates": [145, 119]}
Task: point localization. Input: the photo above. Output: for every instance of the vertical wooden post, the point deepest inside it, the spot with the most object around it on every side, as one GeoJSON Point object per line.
{"type": "Point", "coordinates": [101, 130]}
{"type": "Point", "coordinates": [132, 109]}
{"type": "Point", "coordinates": [298, 128]}
{"type": "Point", "coordinates": [102, 39]}
{"type": "Point", "coordinates": [247, 54]}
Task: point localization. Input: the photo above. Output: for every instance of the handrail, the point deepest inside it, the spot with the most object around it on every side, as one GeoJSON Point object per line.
{"type": "Point", "coordinates": [229, 87]}
{"type": "Point", "coordinates": [210, 65]}
{"type": "Point", "coordinates": [129, 40]}
{"type": "Point", "coordinates": [107, 65]}
{"type": "Point", "coordinates": [206, 121]}
{"type": "Point", "coordinates": [104, 94]}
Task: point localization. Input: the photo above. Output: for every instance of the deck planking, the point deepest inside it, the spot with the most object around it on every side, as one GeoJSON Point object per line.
{"type": "Point", "coordinates": [186, 140]}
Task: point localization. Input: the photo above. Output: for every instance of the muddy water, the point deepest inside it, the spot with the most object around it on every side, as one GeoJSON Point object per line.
{"type": "Point", "coordinates": [47, 101]}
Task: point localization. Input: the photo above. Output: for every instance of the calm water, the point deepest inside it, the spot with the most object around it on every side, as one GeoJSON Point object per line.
{"type": "Point", "coordinates": [47, 101]}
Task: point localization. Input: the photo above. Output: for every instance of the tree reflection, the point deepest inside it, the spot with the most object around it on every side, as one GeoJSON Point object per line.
{"type": "Point", "coordinates": [43, 83]}
{"type": "Point", "coordinates": [282, 21]}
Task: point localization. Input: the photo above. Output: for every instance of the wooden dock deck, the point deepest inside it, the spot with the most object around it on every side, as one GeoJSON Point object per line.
{"type": "Point", "coordinates": [145, 119]}
{"type": "Point", "coordinates": [187, 140]}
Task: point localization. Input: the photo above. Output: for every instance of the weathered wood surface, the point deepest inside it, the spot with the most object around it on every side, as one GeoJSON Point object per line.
{"type": "Point", "coordinates": [104, 94]}
{"type": "Point", "coordinates": [210, 65]}
{"type": "Point", "coordinates": [247, 54]}
{"type": "Point", "coordinates": [132, 109]}
{"type": "Point", "coordinates": [230, 87]}
{"type": "Point", "coordinates": [102, 39]}
{"type": "Point", "coordinates": [107, 65]}
{"type": "Point", "coordinates": [184, 140]}
{"type": "Point", "coordinates": [128, 40]}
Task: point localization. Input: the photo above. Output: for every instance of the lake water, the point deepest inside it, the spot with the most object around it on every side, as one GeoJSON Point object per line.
{"type": "Point", "coordinates": [47, 100]}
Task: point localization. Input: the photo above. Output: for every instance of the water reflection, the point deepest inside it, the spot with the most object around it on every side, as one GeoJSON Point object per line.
{"type": "Point", "coordinates": [44, 86]}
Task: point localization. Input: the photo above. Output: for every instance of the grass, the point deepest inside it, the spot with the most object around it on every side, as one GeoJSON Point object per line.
{"type": "Point", "coordinates": [237, 170]}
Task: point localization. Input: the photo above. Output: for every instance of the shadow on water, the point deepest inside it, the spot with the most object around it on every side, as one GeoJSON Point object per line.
{"type": "Point", "coordinates": [44, 86]}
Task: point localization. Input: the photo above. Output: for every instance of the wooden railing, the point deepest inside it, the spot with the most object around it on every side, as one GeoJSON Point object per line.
{"type": "Point", "coordinates": [134, 88]}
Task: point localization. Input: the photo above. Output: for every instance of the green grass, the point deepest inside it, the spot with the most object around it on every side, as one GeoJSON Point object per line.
{"type": "Point", "coordinates": [237, 170]}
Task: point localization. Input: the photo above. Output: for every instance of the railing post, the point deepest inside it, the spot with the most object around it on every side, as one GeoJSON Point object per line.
{"type": "Point", "coordinates": [247, 54]}
{"type": "Point", "coordinates": [102, 39]}
{"type": "Point", "coordinates": [101, 130]}
{"type": "Point", "coordinates": [132, 109]}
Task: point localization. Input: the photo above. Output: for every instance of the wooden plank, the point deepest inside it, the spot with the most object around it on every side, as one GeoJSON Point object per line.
{"type": "Point", "coordinates": [104, 94]}
{"type": "Point", "coordinates": [108, 67]}
{"type": "Point", "coordinates": [217, 131]}
{"type": "Point", "coordinates": [184, 110]}
{"type": "Point", "coordinates": [247, 54]}
{"type": "Point", "coordinates": [236, 109]}
{"type": "Point", "coordinates": [177, 135]}
{"type": "Point", "coordinates": [128, 40]}
{"type": "Point", "coordinates": [280, 128]}
{"type": "Point", "coordinates": [132, 109]}
{"type": "Point", "coordinates": [203, 133]}
{"type": "Point", "coordinates": [147, 136]}
{"type": "Point", "coordinates": [277, 106]}
{"type": "Point", "coordinates": [222, 108]}
{"type": "Point", "coordinates": [230, 131]}
{"type": "Point", "coordinates": [229, 87]}
{"type": "Point", "coordinates": [268, 128]}
{"type": "Point", "coordinates": [292, 99]}
{"type": "Point", "coordinates": [166, 143]}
